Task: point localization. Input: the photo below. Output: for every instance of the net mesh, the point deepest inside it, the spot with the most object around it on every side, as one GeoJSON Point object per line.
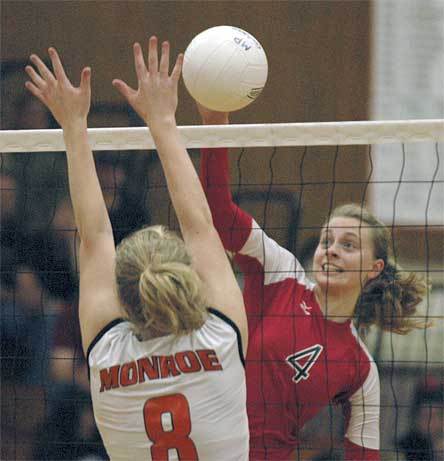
{"type": "Point", "coordinates": [289, 177]}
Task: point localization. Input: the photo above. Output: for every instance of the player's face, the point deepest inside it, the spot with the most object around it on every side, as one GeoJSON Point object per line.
{"type": "Point", "coordinates": [344, 259]}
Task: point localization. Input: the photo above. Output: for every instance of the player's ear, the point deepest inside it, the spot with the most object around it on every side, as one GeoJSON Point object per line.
{"type": "Point", "coordinates": [377, 268]}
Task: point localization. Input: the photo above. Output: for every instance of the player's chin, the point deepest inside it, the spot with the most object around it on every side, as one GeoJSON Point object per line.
{"type": "Point", "coordinates": [330, 281]}
{"type": "Point", "coordinates": [320, 274]}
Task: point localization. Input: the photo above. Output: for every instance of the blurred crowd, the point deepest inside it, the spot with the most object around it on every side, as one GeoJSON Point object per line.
{"type": "Point", "coordinates": [46, 407]}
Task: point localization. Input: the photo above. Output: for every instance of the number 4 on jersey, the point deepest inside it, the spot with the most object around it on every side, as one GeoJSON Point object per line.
{"type": "Point", "coordinates": [303, 360]}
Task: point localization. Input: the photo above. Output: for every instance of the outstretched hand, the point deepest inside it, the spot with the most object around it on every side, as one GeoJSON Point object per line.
{"type": "Point", "coordinates": [156, 96]}
{"type": "Point", "coordinates": [67, 103]}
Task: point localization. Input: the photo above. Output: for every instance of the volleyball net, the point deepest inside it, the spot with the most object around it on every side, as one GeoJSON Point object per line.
{"type": "Point", "coordinates": [289, 177]}
{"type": "Point", "coordinates": [245, 135]}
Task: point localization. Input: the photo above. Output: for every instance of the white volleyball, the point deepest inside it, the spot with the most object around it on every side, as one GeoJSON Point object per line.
{"type": "Point", "coordinates": [225, 68]}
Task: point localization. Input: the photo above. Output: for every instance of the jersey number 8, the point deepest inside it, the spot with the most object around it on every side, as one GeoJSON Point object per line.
{"type": "Point", "coordinates": [174, 408]}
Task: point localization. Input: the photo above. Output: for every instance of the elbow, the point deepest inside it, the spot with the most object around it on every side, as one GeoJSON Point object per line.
{"type": "Point", "coordinates": [91, 239]}
{"type": "Point", "coordinates": [92, 230]}
{"type": "Point", "coordinates": [208, 217]}
{"type": "Point", "coordinates": [198, 228]}
{"type": "Point", "coordinates": [200, 222]}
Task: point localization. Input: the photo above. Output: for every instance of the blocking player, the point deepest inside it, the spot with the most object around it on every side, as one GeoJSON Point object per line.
{"type": "Point", "coordinates": [167, 373]}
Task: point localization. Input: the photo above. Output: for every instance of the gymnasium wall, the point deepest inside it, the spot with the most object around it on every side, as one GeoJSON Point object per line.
{"type": "Point", "coordinates": [320, 64]}
{"type": "Point", "coordinates": [318, 69]}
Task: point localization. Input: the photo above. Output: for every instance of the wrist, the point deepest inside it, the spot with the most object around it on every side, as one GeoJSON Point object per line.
{"type": "Point", "coordinates": [74, 131]}
{"type": "Point", "coordinates": [75, 125]}
{"type": "Point", "coordinates": [160, 124]}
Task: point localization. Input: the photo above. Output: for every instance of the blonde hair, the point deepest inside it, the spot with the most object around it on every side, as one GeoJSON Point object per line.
{"type": "Point", "coordinates": [159, 290]}
{"type": "Point", "coordinates": [391, 299]}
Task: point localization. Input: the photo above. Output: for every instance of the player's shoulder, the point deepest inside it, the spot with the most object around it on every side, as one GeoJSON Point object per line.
{"type": "Point", "coordinates": [109, 339]}
{"type": "Point", "coordinates": [223, 330]}
{"type": "Point", "coordinates": [217, 321]}
{"type": "Point", "coordinates": [118, 338]}
{"type": "Point", "coordinates": [361, 347]}
{"type": "Point", "coordinates": [368, 369]}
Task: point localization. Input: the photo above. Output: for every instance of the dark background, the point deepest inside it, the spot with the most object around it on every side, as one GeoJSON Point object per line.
{"type": "Point", "coordinates": [320, 63]}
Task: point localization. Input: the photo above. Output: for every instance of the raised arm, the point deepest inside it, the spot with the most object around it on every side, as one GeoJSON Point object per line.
{"type": "Point", "coordinates": [260, 258]}
{"type": "Point", "coordinates": [70, 105]}
{"type": "Point", "coordinates": [155, 101]}
{"type": "Point", "coordinates": [232, 223]}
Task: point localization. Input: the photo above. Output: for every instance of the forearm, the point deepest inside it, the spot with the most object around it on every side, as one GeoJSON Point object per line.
{"type": "Point", "coordinates": [215, 178]}
{"type": "Point", "coordinates": [214, 170]}
{"type": "Point", "coordinates": [184, 186]}
{"type": "Point", "coordinates": [232, 223]}
{"type": "Point", "coordinates": [90, 212]}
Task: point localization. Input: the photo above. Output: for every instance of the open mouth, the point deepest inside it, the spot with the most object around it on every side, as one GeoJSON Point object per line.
{"type": "Point", "coordinates": [331, 268]}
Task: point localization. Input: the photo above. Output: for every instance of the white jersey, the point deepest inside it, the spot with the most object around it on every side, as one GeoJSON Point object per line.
{"type": "Point", "coordinates": [171, 398]}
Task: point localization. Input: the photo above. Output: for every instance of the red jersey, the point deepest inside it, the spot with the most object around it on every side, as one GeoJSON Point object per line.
{"type": "Point", "coordinates": [298, 362]}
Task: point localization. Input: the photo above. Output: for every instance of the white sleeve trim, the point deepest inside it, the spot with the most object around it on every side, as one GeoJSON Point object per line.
{"type": "Point", "coordinates": [363, 426]}
{"type": "Point", "coordinates": [278, 263]}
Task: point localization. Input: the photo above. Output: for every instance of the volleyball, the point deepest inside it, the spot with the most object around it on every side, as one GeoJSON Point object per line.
{"type": "Point", "coordinates": [225, 68]}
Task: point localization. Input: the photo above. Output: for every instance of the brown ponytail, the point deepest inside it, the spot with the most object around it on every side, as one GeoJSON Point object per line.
{"type": "Point", "coordinates": [390, 301]}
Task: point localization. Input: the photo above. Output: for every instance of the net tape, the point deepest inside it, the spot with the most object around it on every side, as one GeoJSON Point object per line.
{"type": "Point", "coordinates": [248, 135]}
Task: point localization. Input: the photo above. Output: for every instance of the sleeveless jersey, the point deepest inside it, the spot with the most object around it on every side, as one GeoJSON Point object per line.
{"type": "Point", "coordinates": [171, 398]}
{"type": "Point", "coordinates": [298, 361]}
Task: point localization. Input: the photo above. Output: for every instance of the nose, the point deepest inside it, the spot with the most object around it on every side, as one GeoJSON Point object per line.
{"type": "Point", "coordinates": [332, 250]}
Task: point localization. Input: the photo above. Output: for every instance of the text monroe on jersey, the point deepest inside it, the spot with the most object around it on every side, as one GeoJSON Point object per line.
{"type": "Point", "coordinates": [158, 367]}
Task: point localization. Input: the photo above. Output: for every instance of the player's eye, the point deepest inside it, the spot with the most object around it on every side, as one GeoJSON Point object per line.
{"type": "Point", "coordinates": [348, 245]}
{"type": "Point", "coordinates": [325, 242]}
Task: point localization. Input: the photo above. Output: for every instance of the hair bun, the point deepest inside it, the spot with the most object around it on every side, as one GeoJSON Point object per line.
{"type": "Point", "coordinates": [170, 292]}
{"type": "Point", "coordinates": [159, 290]}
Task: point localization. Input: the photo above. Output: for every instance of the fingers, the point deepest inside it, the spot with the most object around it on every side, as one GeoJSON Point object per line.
{"type": "Point", "coordinates": [34, 90]}
{"type": "Point", "coordinates": [45, 73]}
{"type": "Point", "coordinates": [35, 77]}
{"type": "Point", "coordinates": [126, 91]}
{"type": "Point", "coordinates": [45, 76]}
{"type": "Point", "coordinates": [154, 67]}
{"type": "Point", "coordinates": [57, 65]}
{"type": "Point", "coordinates": [153, 61]}
{"type": "Point", "coordinates": [175, 74]}
{"type": "Point", "coordinates": [85, 79]}
{"type": "Point", "coordinates": [139, 62]}
{"type": "Point", "coordinates": [164, 60]}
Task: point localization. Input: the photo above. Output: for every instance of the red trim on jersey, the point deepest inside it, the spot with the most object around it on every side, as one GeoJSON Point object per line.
{"type": "Point", "coordinates": [355, 452]}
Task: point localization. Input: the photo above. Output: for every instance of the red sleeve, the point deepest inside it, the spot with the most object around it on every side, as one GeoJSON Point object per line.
{"type": "Point", "coordinates": [233, 224]}
{"type": "Point", "coordinates": [358, 453]}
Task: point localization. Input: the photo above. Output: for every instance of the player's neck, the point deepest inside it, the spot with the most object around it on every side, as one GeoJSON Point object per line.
{"type": "Point", "coordinates": [338, 307]}
{"type": "Point", "coordinates": [150, 334]}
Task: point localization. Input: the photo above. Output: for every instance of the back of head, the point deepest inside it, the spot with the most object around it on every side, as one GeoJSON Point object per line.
{"type": "Point", "coordinates": [391, 299]}
{"type": "Point", "coordinates": [159, 290]}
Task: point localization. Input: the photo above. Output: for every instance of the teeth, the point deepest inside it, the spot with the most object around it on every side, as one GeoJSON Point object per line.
{"type": "Point", "coordinates": [330, 268]}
